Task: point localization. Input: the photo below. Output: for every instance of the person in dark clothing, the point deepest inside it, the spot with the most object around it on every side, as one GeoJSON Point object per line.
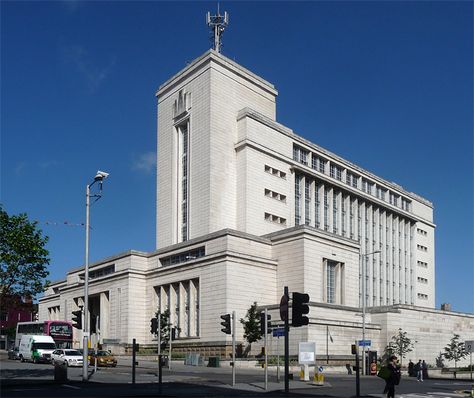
{"type": "Point", "coordinates": [394, 378]}
{"type": "Point", "coordinates": [424, 369]}
{"type": "Point", "coordinates": [411, 370]}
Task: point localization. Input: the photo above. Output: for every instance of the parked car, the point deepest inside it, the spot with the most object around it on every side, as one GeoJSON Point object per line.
{"type": "Point", "coordinates": [14, 353]}
{"type": "Point", "coordinates": [67, 356]}
{"type": "Point", "coordinates": [104, 358]}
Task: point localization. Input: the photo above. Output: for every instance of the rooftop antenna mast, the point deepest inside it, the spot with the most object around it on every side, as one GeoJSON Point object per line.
{"type": "Point", "coordinates": [217, 24]}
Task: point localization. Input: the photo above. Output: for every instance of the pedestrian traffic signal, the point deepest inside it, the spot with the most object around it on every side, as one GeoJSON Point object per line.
{"type": "Point", "coordinates": [77, 319]}
{"type": "Point", "coordinates": [173, 333]}
{"type": "Point", "coordinates": [262, 323]}
{"type": "Point", "coordinates": [153, 325]}
{"type": "Point", "coordinates": [226, 324]}
{"type": "Point", "coordinates": [300, 308]}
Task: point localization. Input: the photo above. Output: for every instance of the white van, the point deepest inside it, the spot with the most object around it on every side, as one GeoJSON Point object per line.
{"type": "Point", "coordinates": [36, 348]}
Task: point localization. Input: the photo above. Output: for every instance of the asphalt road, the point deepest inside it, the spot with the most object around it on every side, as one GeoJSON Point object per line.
{"type": "Point", "coordinates": [30, 380]}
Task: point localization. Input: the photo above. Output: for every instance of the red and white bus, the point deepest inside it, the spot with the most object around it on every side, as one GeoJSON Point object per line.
{"type": "Point", "coordinates": [60, 331]}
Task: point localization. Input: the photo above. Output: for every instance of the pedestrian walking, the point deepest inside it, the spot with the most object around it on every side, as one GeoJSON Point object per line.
{"type": "Point", "coordinates": [419, 371]}
{"type": "Point", "coordinates": [424, 370]}
{"type": "Point", "coordinates": [411, 371]}
{"type": "Point", "coordinates": [391, 375]}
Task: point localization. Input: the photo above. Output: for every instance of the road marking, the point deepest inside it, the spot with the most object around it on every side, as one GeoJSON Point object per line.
{"type": "Point", "coordinates": [73, 387]}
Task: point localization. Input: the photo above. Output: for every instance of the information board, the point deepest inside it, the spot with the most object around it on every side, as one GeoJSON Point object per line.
{"type": "Point", "coordinates": [307, 353]}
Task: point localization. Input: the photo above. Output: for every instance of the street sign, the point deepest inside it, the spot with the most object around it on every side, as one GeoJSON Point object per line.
{"type": "Point", "coordinates": [365, 343]}
{"type": "Point", "coordinates": [278, 332]}
{"type": "Point", "coordinates": [469, 345]}
{"type": "Point", "coordinates": [320, 369]}
{"type": "Point", "coordinates": [283, 307]}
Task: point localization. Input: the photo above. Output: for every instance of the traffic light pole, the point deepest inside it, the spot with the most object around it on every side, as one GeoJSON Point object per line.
{"type": "Point", "coordinates": [169, 354]}
{"type": "Point", "coordinates": [265, 345]}
{"type": "Point", "coordinates": [85, 330]}
{"type": "Point", "coordinates": [233, 348]}
{"type": "Point", "coordinates": [287, 345]}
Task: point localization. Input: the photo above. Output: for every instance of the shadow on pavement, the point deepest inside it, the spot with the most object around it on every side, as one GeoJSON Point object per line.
{"type": "Point", "coordinates": [25, 373]}
{"type": "Point", "coordinates": [91, 389]}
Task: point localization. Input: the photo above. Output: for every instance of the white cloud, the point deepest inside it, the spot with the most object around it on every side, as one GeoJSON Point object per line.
{"type": "Point", "coordinates": [145, 162]}
{"type": "Point", "coordinates": [93, 74]}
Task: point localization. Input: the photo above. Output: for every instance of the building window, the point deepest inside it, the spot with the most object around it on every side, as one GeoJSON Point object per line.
{"type": "Point", "coordinates": [335, 172]}
{"type": "Point", "coordinates": [298, 180]}
{"type": "Point", "coordinates": [422, 264]}
{"type": "Point", "coordinates": [97, 273]}
{"type": "Point", "coordinates": [275, 219]}
{"type": "Point", "coordinates": [3, 316]}
{"type": "Point", "coordinates": [422, 248]}
{"type": "Point", "coordinates": [421, 232]}
{"type": "Point", "coordinates": [181, 298]}
{"type": "Point", "coordinates": [331, 282]}
{"type": "Point", "coordinates": [334, 282]}
{"type": "Point", "coordinates": [317, 202]}
{"type": "Point", "coordinates": [300, 155]}
{"type": "Point", "coordinates": [183, 166]}
{"type": "Point", "coordinates": [422, 296]}
{"type": "Point", "coordinates": [307, 201]}
{"type": "Point", "coordinates": [334, 212]}
{"type": "Point", "coordinates": [274, 195]}
{"type": "Point", "coordinates": [322, 165]}
{"type": "Point", "coordinates": [422, 280]}
{"type": "Point", "coordinates": [275, 172]}
{"type": "Point", "coordinates": [326, 210]}
{"type": "Point", "coordinates": [343, 218]}
{"type": "Point", "coordinates": [183, 257]}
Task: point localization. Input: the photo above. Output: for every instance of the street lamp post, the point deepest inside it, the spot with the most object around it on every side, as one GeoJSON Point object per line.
{"type": "Point", "coordinates": [362, 258]}
{"type": "Point", "coordinates": [100, 176]}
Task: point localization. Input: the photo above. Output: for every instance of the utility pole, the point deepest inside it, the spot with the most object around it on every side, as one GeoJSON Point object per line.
{"type": "Point", "coordinates": [287, 342]}
{"type": "Point", "coordinates": [265, 345]}
{"type": "Point", "coordinates": [233, 348]}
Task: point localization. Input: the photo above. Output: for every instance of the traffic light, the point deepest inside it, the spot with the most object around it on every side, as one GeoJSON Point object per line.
{"type": "Point", "coordinates": [77, 319]}
{"type": "Point", "coordinates": [262, 323]}
{"type": "Point", "coordinates": [226, 324]}
{"type": "Point", "coordinates": [300, 308]}
{"type": "Point", "coordinates": [353, 349]}
{"type": "Point", "coordinates": [153, 325]}
{"type": "Point", "coordinates": [173, 333]}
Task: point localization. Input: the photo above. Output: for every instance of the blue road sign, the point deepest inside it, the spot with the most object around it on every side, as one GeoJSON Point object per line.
{"type": "Point", "coordinates": [320, 369]}
{"type": "Point", "coordinates": [366, 343]}
{"type": "Point", "coordinates": [278, 332]}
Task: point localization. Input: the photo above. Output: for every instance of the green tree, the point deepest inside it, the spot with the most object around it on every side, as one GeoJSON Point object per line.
{"type": "Point", "coordinates": [400, 345]}
{"type": "Point", "coordinates": [23, 258]}
{"type": "Point", "coordinates": [251, 324]}
{"type": "Point", "coordinates": [455, 350]}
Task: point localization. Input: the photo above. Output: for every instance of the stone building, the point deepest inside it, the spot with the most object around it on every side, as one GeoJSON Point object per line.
{"type": "Point", "coordinates": [245, 206]}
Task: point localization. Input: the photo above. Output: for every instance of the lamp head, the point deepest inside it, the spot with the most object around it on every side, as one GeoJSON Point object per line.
{"type": "Point", "coordinates": [101, 175]}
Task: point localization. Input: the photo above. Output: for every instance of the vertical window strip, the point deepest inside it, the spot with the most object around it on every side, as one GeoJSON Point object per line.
{"type": "Point", "coordinates": [331, 282]}
{"type": "Point", "coordinates": [307, 201]}
{"type": "Point", "coordinates": [326, 210]}
{"type": "Point", "coordinates": [183, 129]}
{"type": "Point", "coordinates": [317, 204]}
{"type": "Point", "coordinates": [298, 179]}
{"type": "Point", "coordinates": [334, 211]}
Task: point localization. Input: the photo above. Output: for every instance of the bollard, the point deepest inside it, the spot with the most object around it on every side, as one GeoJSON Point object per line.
{"type": "Point", "coordinates": [318, 379]}
{"type": "Point", "coordinates": [60, 372]}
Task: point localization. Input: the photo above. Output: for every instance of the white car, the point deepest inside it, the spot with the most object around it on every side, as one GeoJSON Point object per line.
{"type": "Point", "coordinates": [67, 356]}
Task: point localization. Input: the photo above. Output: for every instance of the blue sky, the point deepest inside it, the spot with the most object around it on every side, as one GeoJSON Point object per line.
{"type": "Point", "coordinates": [386, 85]}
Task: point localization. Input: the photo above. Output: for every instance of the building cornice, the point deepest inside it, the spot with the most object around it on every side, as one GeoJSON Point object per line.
{"type": "Point", "coordinates": [212, 56]}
